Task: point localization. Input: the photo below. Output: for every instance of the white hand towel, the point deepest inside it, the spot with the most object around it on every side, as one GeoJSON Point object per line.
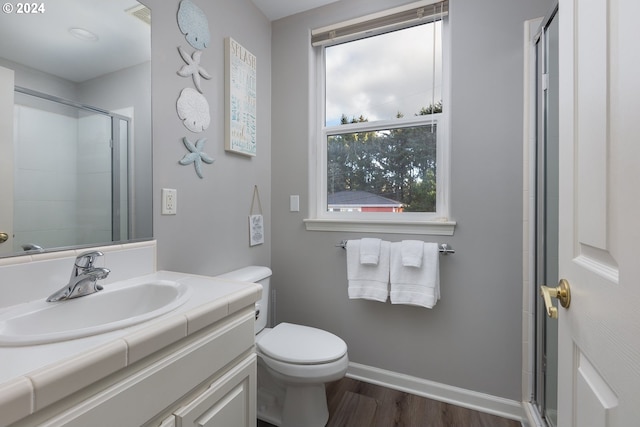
{"type": "Point", "coordinates": [411, 251]}
{"type": "Point", "coordinates": [415, 286]}
{"type": "Point", "coordinates": [369, 251]}
{"type": "Point", "coordinates": [368, 281]}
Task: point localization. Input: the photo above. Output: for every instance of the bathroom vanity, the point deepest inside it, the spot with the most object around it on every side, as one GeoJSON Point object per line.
{"type": "Point", "coordinates": [193, 366]}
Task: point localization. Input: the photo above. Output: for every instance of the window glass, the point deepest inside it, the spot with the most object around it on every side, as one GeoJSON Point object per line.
{"type": "Point", "coordinates": [384, 77]}
{"type": "Point", "coordinates": [383, 101]}
{"type": "Point", "coordinates": [390, 170]}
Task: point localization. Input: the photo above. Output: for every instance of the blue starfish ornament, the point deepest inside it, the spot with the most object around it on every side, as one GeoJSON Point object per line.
{"type": "Point", "coordinates": [193, 67]}
{"type": "Point", "coordinates": [196, 155]}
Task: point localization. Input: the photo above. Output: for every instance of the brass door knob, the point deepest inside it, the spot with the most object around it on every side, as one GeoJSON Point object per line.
{"type": "Point", "coordinates": [562, 293]}
{"type": "Point", "coordinates": [4, 237]}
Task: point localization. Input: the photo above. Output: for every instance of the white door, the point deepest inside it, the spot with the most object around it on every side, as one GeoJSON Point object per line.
{"type": "Point", "coordinates": [599, 241]}
{"type": "Point", "coordinates": [6, 160]}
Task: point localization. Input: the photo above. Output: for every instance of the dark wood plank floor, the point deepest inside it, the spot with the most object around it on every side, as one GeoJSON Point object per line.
{"type": "Point", "coordinates": [354, 403]}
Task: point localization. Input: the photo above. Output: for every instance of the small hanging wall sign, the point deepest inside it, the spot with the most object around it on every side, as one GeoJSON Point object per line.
{"type": "Point", "coordinates": [256, 222]}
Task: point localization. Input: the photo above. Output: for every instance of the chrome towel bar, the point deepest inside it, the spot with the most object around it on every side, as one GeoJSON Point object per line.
{"type": "Point", "coordinates": [444, 248]}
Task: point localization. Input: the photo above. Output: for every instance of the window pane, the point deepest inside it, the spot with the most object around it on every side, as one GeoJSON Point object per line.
{"type": "Point", "coordinates": [392, 170]}
{"type": "Point", "coordinates": [384, 77]}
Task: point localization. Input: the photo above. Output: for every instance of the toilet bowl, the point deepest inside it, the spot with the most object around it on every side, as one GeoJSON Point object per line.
{"type": "Point", "coordinates": [294, 363]}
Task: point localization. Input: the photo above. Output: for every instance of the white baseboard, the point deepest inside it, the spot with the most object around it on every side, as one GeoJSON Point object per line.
{"type": "Point", "coordinates": [482, 402]}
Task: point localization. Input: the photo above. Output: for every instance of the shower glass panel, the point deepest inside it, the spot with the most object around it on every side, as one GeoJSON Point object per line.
{"type": "Point", "coordinates": [552, 180]}
{"type": "Point", "coordinates": [66, 171]}
{"type": "Point", "coordinates": [547, 217]}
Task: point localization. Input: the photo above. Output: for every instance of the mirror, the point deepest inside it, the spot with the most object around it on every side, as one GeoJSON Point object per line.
{"type": "Point", "coordinates": [75, 88]}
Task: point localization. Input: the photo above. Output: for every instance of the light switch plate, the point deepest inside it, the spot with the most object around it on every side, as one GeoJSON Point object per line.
{"type": "Point", "coordinates": [294, 203]}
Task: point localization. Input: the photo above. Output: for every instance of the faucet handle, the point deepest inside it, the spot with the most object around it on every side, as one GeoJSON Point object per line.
{"type": "Point", "coordinates": [86, 259]}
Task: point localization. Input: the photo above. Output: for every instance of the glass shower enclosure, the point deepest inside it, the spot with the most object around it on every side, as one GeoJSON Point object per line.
{"type": "Point", "coordinates": [546, 223]}
{"type": "Point", "coordinates": [71, 173]}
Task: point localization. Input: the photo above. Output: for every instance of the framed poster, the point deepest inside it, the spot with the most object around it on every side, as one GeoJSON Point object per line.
{"type": "Point", "coordinates": [240, 99]}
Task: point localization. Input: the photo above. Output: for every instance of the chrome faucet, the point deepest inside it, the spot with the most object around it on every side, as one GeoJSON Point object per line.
{"type": "Point", "coordinates": [32, 247]}
{"type": "Point", "coordinates": [84, 277]}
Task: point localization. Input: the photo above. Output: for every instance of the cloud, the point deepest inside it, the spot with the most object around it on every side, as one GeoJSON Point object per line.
{"type": "Point", "coordinates": [379, 76]}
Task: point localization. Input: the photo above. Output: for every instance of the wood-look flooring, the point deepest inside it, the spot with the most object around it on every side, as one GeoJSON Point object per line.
{"type": "Point", "coordinates": [354, 403]}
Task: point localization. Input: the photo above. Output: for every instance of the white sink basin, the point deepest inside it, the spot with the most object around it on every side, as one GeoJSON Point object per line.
{"type": "Point", "coordinates": [41, 322]}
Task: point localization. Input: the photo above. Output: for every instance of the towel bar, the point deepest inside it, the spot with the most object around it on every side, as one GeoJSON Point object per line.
{"type": "Point", "coordinates": [444, 248]}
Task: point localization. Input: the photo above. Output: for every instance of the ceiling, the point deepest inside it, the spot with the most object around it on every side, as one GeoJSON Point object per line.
{"type": "Point", "coordinates": [276, 9]}
{"type": "Point", "coordinates": [42, 41]}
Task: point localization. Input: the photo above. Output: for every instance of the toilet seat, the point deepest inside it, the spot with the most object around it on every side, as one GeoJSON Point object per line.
{"type": "Point", "coordinates": [301, 345]}
{"type": "Point", "coordinates": [299, 354]}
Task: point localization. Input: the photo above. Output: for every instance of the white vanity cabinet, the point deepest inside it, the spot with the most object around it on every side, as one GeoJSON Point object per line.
{"type": "Point", "coordinates": [230, 401]}
{"type": "Point", "coordinates": [206, 379]}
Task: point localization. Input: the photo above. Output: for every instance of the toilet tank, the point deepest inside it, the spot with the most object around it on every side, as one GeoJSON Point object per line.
{"type": "Point", "coordinates": [255, 274]}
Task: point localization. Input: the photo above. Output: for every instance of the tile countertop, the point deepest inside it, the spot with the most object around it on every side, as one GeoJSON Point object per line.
{"type": "Point", "coordinates": [33, 377]}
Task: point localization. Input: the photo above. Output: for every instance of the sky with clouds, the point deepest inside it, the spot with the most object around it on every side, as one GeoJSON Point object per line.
{"type": "Point", "coordinates": [379, 76]}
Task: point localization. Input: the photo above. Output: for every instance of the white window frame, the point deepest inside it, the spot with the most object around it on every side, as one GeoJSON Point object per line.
{"type": "Point", "coordinates": [429, 223]}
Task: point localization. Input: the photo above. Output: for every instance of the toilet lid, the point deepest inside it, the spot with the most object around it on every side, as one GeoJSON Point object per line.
{"type": "Point", "coordinates": [301, 345]}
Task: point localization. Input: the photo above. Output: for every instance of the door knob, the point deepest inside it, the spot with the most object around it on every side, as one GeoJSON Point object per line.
{"type": "Point", "coordinates": [562, 293]}
{"type": "Point", "coordinates": [4, 237]}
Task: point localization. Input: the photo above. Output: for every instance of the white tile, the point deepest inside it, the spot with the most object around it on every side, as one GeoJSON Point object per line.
{"type": "Point", "coordinates": [244, 298]}
{"type": "Point", "coordinates": [130, 262]}
{"type": "Point", "coordinates": [52, 383]}
{"type": "Point", "coordinates": [206, 314]}
{"type": "Point", "coordinates": [155, 337]}
{"type": "Point", "coordinates": [16, 400]}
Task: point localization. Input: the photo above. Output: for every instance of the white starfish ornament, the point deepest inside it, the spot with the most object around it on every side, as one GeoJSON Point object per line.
{"type": "Point", "coordinates": [193, 67]}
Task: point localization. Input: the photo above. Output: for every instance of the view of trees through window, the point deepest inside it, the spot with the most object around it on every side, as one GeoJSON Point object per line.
{"type": "Point", "coordinates": [390, 168]}
{"type": "Point", "coordinates": [398, 164]}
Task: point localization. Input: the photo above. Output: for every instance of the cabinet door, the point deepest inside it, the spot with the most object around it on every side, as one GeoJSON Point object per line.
{"type": "Point", "coordinates": [230, 401]}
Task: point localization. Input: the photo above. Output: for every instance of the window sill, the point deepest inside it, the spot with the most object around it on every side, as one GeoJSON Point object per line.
{"type": "Point", "coordinates": [435, 228]}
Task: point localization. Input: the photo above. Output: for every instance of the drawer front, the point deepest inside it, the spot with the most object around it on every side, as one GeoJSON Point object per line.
{"type": "Point", "coordinates": [148, 391]}
{"type": "Point", "coordinates": [230, 401]}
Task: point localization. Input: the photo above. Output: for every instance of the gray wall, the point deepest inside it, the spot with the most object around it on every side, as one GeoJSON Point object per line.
{"type": "Point", "coordinates": [472, 338]}
{"type": "Point", "coordinates": [209, 234]}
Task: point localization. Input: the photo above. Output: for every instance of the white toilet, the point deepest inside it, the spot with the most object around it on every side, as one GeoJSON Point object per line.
{"type": "Point", "coordinates": [294, 363]}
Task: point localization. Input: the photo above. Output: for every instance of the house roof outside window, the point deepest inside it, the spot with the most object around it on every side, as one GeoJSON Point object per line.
{"type": "Point", "coordinates": [362, 201]}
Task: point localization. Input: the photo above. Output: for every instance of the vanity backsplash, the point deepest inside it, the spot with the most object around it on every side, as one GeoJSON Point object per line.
{"type": "Point", "coordinates": [31, 277]}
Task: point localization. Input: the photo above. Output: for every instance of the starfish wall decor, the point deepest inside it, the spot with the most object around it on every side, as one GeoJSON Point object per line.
{"type": "Point", "coordinates": [193, 67]}
{"type": "Point", "coordinates": [196, 155]}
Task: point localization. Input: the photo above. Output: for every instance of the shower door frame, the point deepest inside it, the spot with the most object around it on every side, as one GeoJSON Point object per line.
{"type": "Point", "coordinates": [546, 271]}
{"type": "Point", "coordinates": [534, 333]}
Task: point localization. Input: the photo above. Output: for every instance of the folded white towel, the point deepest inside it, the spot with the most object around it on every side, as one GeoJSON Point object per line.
{"type": "Point", "coordinates": [415, 286]}
{"type": "Point", "coordinates": [369, 251]}
{"type": "Point", "coordinates": [368, 281]}
{"type": "Point", "coordinates": [411, 252]}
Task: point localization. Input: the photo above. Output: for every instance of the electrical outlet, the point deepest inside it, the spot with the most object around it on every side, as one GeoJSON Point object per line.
{"type": "Point", "coordinates": [169, 201]}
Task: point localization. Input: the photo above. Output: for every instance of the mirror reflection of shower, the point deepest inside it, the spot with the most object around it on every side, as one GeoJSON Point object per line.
{"type": "Point", "coordinates": [110, 71]}
{"type": "Point", "coordinates": [70, 176]}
